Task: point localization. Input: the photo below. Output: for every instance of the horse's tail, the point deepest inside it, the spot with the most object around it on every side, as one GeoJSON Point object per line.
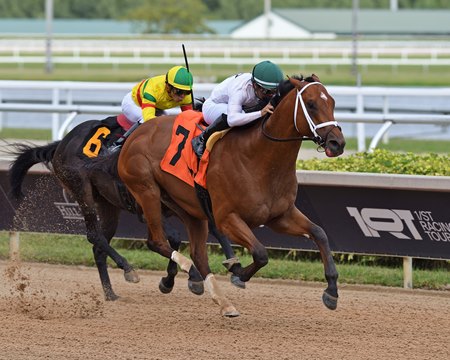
{"type": "Point", "coordinates": [26, 157]}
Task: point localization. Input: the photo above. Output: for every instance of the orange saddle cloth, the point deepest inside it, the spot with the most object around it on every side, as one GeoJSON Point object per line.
{"type": "Point", "coordinates": [180, 159]}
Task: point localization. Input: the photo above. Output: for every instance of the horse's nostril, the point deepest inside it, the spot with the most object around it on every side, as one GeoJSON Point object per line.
{"type": "Point", "coordinates": [333, 145]}
{"type": "Point", "coordinates": [336, 147]}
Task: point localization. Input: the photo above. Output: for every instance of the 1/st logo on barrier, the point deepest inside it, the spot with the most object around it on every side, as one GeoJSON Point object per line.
{"type": "Point", "coordinates": [372, 221]}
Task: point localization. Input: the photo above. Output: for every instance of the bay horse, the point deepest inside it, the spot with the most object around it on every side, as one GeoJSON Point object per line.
{"type": "Point", "coordinates": [99, 193]}
{"type": "Point", "coordinates": [251, 181]}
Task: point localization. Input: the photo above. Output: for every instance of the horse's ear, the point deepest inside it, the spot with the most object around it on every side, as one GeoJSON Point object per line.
{"type": "Point", "coordinates": [315, 77]}
{"type": "Point", "coordinates": [295, 82]}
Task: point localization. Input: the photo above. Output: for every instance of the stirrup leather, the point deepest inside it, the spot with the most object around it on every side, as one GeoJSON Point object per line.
{"type": "Point", "coordinates": [198, 145]}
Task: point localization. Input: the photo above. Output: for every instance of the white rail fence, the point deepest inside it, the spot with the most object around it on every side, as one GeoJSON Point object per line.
{"type": "Point", "coordinates": [141, 52]}
{"type": "Point", "coordinates": [58, 104]}
{"type": "Point", "coordinates": [137, 60]}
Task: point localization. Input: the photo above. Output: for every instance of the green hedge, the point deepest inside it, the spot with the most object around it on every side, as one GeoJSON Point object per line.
{"type": "Point", "coordinates": [383, 161]}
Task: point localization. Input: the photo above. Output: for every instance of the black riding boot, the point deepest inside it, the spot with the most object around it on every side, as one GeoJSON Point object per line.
{"type": "Point", "coordinates": [199, 142]}
{"type": "Point", "coordinates": [119, 142]}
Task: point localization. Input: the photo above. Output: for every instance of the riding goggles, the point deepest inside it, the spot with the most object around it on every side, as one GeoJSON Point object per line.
{"type": "Point", "coordinates": [267, 92]}
{"type": "Point", "coordinates": [180, 92]}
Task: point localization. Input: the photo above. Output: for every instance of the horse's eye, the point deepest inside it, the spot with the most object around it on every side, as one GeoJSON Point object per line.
{"type": "Point", "coordinates": [311, 105]}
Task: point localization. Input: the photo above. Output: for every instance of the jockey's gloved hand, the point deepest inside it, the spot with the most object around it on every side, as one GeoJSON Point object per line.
{"type": "Point", "coordinates": [275, 99]}
{"type": "Point", "coordinates": [259, 106]}
{"type": "Point", "coordinates": [198, 103]}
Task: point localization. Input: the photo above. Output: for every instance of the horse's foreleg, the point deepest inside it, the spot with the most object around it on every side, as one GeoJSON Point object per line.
{"type": "Point", "coordinates": [232, 262]}
{"type": "Point", "coordinates": [241, 234]}
{"type": "Point", "coordinates": [198, 233]}
{"type": "Point", "coordinates": [226, 307]}
{"type": "Point", "coordinates": [330, 295]}
{"type": "Point", "coordinates": [223, 241]}
{"type": "Point", "coordinates": [297, 224]}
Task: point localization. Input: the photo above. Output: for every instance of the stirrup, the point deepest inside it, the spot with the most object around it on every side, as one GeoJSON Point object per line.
{"type": "Point", "coordinates": [114, 147]}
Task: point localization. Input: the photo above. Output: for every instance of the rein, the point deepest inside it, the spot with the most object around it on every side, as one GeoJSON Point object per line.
{"type": "Point", "coordinates": [317, 138]}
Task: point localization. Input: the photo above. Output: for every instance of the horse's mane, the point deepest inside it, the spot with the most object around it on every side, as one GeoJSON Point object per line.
{"type": "Point", "coordinates": [286, 86]}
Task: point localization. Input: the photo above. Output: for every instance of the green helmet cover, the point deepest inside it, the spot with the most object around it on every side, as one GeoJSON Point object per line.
{"type": "Point", "coordinates": [180, 78]}
{"type": "Point", "coordinates": [267, 74]}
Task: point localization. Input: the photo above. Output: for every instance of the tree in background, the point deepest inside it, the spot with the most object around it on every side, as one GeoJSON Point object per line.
{"type": "Point", "coordinates": [171, 16]}
{"type": "Point", "coordinates": [237, 9]}
{"type": "Point", "coordinates": [153, 11]}
{"type": "Point", "coordinates": [87, 9]}
{"type": "Point", "coordinates": [22, 9]}
{"type": "Point", "coordinates": [66, 9]}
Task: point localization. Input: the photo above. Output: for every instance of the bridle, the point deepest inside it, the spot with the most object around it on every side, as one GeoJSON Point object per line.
{"type": "Point", "coordinates": [313, 127]}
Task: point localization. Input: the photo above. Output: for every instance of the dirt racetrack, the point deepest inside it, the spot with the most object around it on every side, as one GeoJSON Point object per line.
{"type": "Point", "coordinates": [58, 312]}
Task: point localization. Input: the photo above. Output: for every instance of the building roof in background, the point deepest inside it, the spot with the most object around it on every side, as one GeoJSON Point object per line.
{"type": "Point", "coordinates": [223, 27]}
{"type": "Point", "coordinates": [285, 23]}
{"type": "Point", "coordinates": [370, 21]}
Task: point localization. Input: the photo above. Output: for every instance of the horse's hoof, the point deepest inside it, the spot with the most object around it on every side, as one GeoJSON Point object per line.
{"type": "Point", "coordinates": [163, 288]}
{"type": "Point", "coordinates": [237, 282]}
{"type": "Point", "coordinates": [230, 311]}
{"type": "Point", "coordinates": [131, 276]}
{"type": "Point", "coordinates": [196, 287]}
{"type": "Point", "coordinates": [111, 297]}
{"type": "Point", "coordinates": [329, 301]}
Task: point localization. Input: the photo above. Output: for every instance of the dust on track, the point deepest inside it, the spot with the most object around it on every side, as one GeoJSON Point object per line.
{"type": "Point", "coordinates": [56, 312]}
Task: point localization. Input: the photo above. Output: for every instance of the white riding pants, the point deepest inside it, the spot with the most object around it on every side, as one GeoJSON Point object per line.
{"type": "Point", "coordinates": [130, 109]}
{"type": "Point", "coordinates": [211, 111]}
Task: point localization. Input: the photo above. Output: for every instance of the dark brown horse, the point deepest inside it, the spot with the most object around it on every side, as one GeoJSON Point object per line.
{"type": "Point", "coordinates": [251, 181]}
{"type": "Point", "coordinates": [100, 206]}
{"type": "Point", "coordinates": [99, 193]}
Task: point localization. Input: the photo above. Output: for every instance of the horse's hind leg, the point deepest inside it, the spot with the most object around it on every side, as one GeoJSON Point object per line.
{"type": "Point", "coordinates": [148, 197]}
{"type": "Point", "coordinates": [101, 250]}
{"type": "Point", "coordinates": [100, 256]}
{"type": "Point", "coordinates": [157, 242]}
{"type": "Point", "coordinates": [295, 223]}
{"type": "Point", "coordinates": [100, 261]}
{"type": "Point", "coordinates": [109, 220]}
{"type": "Point", "coordinates": [197, 238]}
{"type": "Point", "coordinates": [232, 263]}
{"type": "Point", "coordinates": [82, 192]}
